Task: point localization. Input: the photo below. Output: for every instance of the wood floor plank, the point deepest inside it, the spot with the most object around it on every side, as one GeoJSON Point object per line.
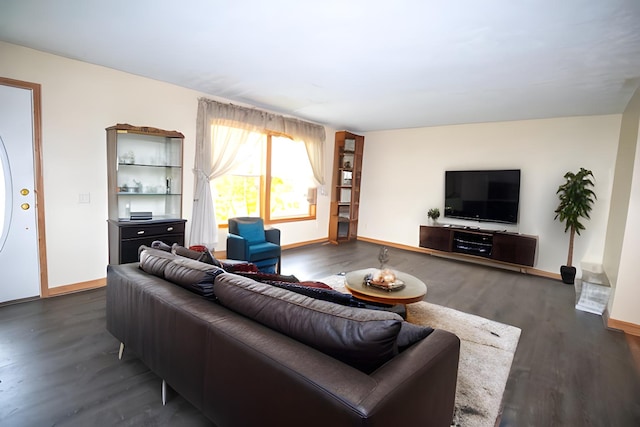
{"type": "Point", "coordinates": [59, 366]}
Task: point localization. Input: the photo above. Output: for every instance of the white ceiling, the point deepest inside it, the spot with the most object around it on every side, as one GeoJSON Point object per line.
{"type": "Point", "coordinates": [357, 64]}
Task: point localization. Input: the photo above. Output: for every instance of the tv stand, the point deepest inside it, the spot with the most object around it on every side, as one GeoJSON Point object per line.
{"type": "Point", "coordinates": [479, 244]}
{"type": "Point", "coordinates": [500, 246]}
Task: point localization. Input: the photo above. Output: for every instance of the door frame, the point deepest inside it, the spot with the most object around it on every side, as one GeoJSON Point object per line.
{"type": "Point", "coordinates": [38, 180]}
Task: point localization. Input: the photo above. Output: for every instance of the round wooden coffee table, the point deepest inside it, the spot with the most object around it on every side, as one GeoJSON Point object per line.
{"type": "Point", "coordinates": [413, 291]}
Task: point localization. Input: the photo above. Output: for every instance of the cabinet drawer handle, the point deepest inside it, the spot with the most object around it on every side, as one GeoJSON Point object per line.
{"type": "Point", "coordinates": [141, 232]}
{"type": "Point", "coordinates": [169, 228]}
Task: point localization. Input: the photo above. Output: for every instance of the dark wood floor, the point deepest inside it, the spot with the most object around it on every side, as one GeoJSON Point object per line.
{"type": "Point", "coordinates": [59, 366]}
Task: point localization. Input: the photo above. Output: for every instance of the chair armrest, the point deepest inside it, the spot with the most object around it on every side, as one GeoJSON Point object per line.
{"type": "Point", "coordinates": [237, 247]}
{"type": "Point", "coordinates": [272, 235]}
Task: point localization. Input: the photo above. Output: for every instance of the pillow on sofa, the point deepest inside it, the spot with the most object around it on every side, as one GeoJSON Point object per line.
{"type": "Point", "coordinates": [321, 293]}
{"type": "Point", "coordinates": [193, 275]}
{"type": "Point", "coordinates": [410, 334]}
{"type": "Point", "coordinates": [364, 339]}
{"type": "Point", "coordinates": [159, 244]}
{"type": "Point", "coordinates": [204, 256]}
{"type": "Point", "coordinates": [260, 276]}
{"type": "Point", "coordinates": [154, 261]}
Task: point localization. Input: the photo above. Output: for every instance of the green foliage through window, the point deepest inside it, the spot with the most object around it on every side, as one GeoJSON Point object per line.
{"type": "Point", "coordinates": [246, 190]}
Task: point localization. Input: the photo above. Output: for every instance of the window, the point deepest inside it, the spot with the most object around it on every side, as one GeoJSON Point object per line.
{"type": "Point", "coordinates": [274, 182]}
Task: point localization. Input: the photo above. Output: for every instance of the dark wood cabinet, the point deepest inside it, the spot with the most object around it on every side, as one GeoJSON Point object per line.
{"type": "Point", "coordinates": [515, 248]}
{"type": "Point", "coordinates": [127, 236]}
{"type": "Point", "coordinates": [512, 248]}
{"type": "Point", "coordinates": [438, 238]}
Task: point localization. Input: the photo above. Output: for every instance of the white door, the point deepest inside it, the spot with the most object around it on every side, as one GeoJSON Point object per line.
{"type": "Point", "coordinates": [19, 262]}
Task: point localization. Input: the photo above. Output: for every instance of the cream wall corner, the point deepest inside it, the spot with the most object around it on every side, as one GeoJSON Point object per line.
{"type": "Point", "coordinates": [623, 235]}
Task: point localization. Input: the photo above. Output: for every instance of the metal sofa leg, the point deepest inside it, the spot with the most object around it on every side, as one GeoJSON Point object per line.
{"type": "Point", "coordinates": [164, 392]}
{"type": "Point", "coordinates": [121, 351]}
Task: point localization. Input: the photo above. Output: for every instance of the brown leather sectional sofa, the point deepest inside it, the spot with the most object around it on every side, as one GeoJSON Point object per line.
{"type": "Point", "coordinates": [240, 372]}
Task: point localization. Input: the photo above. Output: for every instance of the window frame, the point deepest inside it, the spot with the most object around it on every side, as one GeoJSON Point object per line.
{"type": "Point", "coordinates": [265, 190]}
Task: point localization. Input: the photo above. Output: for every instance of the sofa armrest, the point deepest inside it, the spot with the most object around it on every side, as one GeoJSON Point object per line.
{"type": "Point", "coordinates": [421, 380]}
{"type": "Point", "coordinates": [272, 235]}
{"type": "Point", "coordinates": [237, 247]}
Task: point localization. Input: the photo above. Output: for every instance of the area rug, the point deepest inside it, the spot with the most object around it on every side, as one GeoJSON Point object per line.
{"type": "Point", "coordinates": [486, 354]}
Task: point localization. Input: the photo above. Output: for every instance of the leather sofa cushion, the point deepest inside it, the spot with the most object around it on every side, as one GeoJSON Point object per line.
{"type": "Point", "coordinates": [409, 333]}
{"type": "Point", "coordinates": [364, 339]}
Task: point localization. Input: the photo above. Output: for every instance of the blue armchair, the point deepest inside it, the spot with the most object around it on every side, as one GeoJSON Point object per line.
{"type": "Point", "coordinates": [249, 241]}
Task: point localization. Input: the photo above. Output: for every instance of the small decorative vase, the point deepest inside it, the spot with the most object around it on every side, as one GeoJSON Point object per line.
{"type": "Point", "coordinates": [383, 256]}
{"type": "Point", "coordinates": [568, 274]}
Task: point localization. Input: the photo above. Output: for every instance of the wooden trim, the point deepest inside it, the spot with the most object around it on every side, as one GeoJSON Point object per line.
{"type": "Point", "coordinates": [265, 190]}
{"type": "Point", "coordinates": [468, 258]}
{"type": "Point", "coordinates": [299, 244]}
{"type": "Point", "coordinates": [38, 177]}
{"type": "Point", "coordinates": [146, 130]}
{"type": "Point", "coordinates": [626, 327]}
{"type": "Point", "coordinates": [76, 287]}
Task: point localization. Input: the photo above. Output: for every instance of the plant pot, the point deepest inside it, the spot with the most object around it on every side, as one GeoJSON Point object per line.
{"type": "Point", "coordinates": [568, 274]}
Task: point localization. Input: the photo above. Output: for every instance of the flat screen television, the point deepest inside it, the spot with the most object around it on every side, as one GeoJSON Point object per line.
{"type": "Point", "coordinates": [483, 195]}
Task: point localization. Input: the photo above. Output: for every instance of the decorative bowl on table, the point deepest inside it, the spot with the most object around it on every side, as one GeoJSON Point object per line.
{"type": "Point", "coordinates": [383, 279]}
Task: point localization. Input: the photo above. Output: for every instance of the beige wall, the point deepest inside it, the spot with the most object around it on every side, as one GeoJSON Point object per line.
{"type": "Point", "coordinates": [623, 233]}
{"type": "Point", "coordinates": [79, 101]}
{"type": "Point", "coordinates": [403, 176]}
{"type": "Point", "coordinates": [622, 188]}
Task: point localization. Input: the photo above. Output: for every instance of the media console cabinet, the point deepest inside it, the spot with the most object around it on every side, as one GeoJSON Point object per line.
{"type": "Point", "coordinates": [512, 248]}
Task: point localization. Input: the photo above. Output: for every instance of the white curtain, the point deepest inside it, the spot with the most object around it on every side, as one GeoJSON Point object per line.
{"type": "Point", "coordinates": [217, 154]}
{"type": "Point", "coordinates": [313, 137]}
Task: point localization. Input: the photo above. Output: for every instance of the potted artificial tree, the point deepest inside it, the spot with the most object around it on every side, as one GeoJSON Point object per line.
{"type": "Point", "coordinates": [576, 198]}
{"type": "Point", "coordinates": [433, 214]}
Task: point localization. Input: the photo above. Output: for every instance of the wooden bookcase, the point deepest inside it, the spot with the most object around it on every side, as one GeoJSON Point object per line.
{"type": "Point", "coordinates": [345, 189]}
{"type": "Point", "coordinates": [144, 176]}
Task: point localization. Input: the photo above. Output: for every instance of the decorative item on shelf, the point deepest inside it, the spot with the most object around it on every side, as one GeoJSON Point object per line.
{"type": "Point", "coordinates": [128, 158]}
{"type": "Point", "coordinates": [137, 186]}
{"type": "Point", "coordinates": [349, 144]}
{"type": "Point", "coordinates": [576, 198]}
{"type": "Point", "coordinates": [433, 214]}
{"type": "Point", "coordinates": [347, 165]}
{"type": "Point", "coordinates": [384, 279]}
{"type": "Point", "coordinates": [383, 256]}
